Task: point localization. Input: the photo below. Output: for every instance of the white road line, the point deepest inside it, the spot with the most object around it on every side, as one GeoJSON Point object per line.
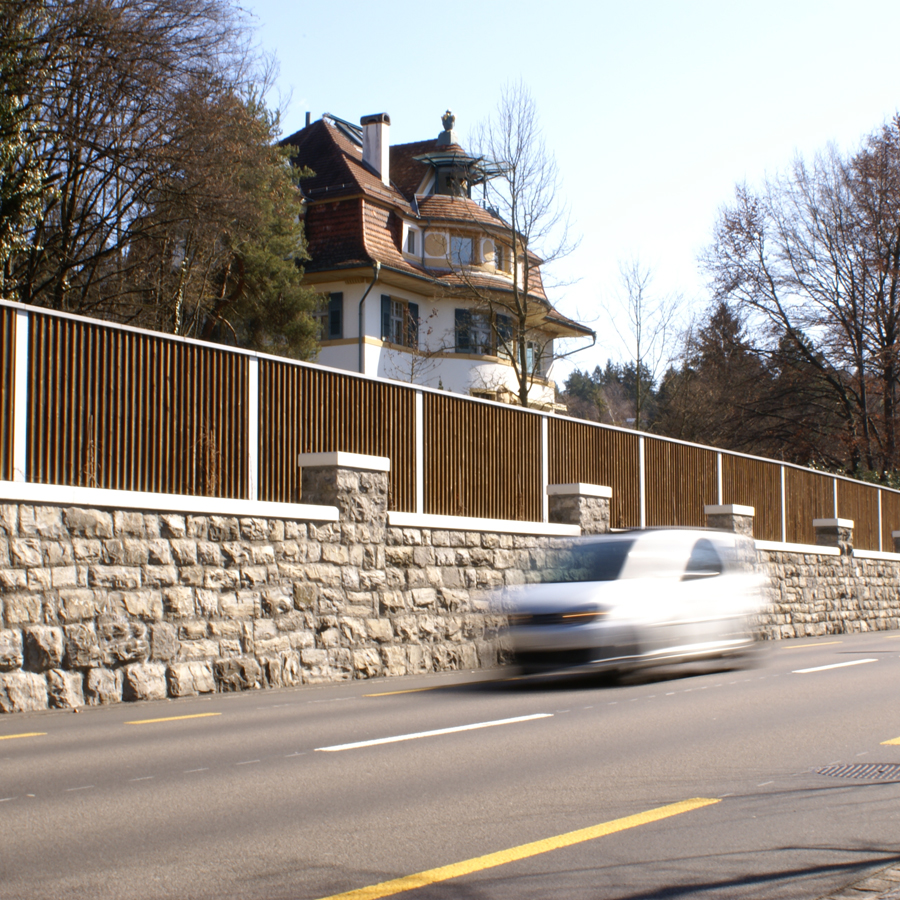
{"type": "Point", "coordinates": [86, 787]}
{"type": "Point", "coordinates": [423, 734]}
{"type": "Point", "coordinates": [765, 783]}
{"type": "Point", "coordinates": [247, 762]}
{"type": "Point", "coordinates": [855, 662]}
{"type": "Point", "coordinates": [6, 799]}
{"type": "Point", "coordinates": [188, 771]}
{"type": "Point", "coordinates": [143, 778]}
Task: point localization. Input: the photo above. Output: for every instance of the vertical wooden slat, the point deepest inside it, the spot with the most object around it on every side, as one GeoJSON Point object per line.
{"type": "Point", "coordinates": [7, 390]}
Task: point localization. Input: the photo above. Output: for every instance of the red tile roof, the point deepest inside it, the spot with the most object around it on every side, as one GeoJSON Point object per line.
{"type": "Point", "coordinates": [353, 219]}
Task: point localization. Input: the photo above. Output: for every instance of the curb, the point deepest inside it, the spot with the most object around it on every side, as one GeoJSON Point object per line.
{"type": "Point", "coordinates": [883, 885]}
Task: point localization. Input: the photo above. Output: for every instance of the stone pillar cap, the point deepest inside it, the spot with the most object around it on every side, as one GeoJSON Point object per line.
{"type": "Point", "coordinates": [343, 460]}
{"type": "Point", "coordinates": [580, 488]}
{"type": "Point", "coordinates": [729, 509]}
{"type": "Point", "coordinates": [832, 523]}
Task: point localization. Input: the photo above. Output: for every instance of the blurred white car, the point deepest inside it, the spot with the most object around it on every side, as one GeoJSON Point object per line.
{"type": "Point", "coordinates": [623, 601]}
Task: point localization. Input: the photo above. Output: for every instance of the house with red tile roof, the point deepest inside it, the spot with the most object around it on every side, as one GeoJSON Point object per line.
{"type": "Point", "coordinates": [409, 265]}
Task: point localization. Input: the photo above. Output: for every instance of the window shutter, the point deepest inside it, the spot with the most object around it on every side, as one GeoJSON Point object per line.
{"type": "Point", "coordinates": [463, 320]}
{"type": "Point", "coordinates": [336, 316]}
{"type": "Point", "coordinates": [413, 335]}
{"type": "Point", "coordinates": [385, 317]}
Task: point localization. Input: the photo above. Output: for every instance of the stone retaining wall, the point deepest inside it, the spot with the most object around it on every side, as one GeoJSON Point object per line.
{"type": "Point", "coordinates": [813, 594]}
{"type": "Point", "coordinates": [100, 606]}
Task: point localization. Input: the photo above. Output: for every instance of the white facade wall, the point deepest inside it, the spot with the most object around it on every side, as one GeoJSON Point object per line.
{"type": "Point", "coordinates": [436, 366]}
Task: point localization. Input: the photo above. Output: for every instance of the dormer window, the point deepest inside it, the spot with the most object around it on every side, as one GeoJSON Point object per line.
{"type": "Point", "coordinates": [411, 241]}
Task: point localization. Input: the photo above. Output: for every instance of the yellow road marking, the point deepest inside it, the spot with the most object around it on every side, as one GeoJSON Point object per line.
{"type": "Point", "coordinates": [502, 857]}
{"type": "Point", "coordinates": [437, 687]}
{"type": "Point", "coordinates": [894, 741]}
{"type": "Point", "coordinates": [9, 737]}
{"type": "Point", "coordinates": [803, 646]}
{"type": "Point", "coordinates": [173, 718]}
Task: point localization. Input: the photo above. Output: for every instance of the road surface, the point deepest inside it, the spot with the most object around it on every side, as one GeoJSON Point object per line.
{"type": "Point", "coordinates": [778, 781]}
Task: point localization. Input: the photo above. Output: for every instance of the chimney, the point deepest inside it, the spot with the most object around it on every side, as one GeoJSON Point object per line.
{"type": "Point", "coordinates": [376, 145]}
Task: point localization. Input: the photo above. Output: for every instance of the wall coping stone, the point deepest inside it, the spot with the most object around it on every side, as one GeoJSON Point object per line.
{"type": "Point", "coordinates": [466, 523]}
{"type": "Point", "coordinates": [580, 489]}
{"type": "Point", "coordinates": [779, 547]}
{"type": "Point", "coordinates": [62, 495]}
{"type": "Point", "coordinates": [876, 554]}
{"type": "Point", "coordinates": [729, 509]}
{"type": "Point", "coordinates": [832, 523]}
{"type": "Point", "coordinates": [344, 460]}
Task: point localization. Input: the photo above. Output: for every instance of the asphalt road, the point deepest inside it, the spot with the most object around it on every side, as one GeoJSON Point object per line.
{"type": "Point", "coordinates": [685, 783]}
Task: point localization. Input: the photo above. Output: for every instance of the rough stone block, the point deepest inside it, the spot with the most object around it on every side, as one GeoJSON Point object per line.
{"type": "Point", "coordinates": [146, 605]}
{"type": "Point", "coordinates": [77, 605]}
{"type": "Point", "coordinates": [379, 630]}
{"type": "Point", "coordinates": [22, 692]}
{"type": "Point", "coordinates": [367, 663]}
{"type": "Point", "coordinates": [163, 642]}
{"type": "Point", "coordinates": [210, 554]}
{"type": "Point", "coordinates": [13, 579]}
{"type": "Point", "coordinates": [65, 690]}
{"type": "Point", "coordinates": [222, 528]}
{"type": "Point", "coordinates": [160, 576]}
{"type": "Point", "coordinates": [172, 526]}
{"type": "Point", "coordinates": [82, 646]}
{"type": "Point", "coordinates": [144, 681]}
{"type": "Point", "coordinates": [11, 651]}
{"type": "Point", "coordinates": [238, 674]}
{"type": "Point", "coordinates": [125, 552]}
{"type": "Point", "coordinates": [44, 647]}
{"type": "Point", "coordinates": [305, 595]}
{"type": "Point", "coordinates": [123, 642]}
{"type": "Point", "coordinates": [187, 679]}
{"type": "Point", "coordinates": [89, 523]}
{"type": "Point", "coordinates": [115, 577]}
{"type": "Point", "coordinates": [25, 553]}
{"type": "Point", "coordinates": [102, 687]}
{"type": "Point", "coordinates": [178, 602]}
{"type": "Point", "coordinates": [394, 660]}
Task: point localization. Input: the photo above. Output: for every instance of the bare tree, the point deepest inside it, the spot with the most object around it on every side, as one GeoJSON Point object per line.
{"type": "Point", "coordinates": [814, 260]}
{"type": "Point", "coordinates": [649, 329]}
{"type": "Point", "coordinates": [531, 231]}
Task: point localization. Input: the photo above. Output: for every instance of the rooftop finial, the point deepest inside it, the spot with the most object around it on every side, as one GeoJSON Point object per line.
{"type": "Point", "coordinates": [448, 135]}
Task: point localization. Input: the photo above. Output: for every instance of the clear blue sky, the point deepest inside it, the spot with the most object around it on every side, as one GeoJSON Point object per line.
{"type": "Point", "coordinates": [654, 110]}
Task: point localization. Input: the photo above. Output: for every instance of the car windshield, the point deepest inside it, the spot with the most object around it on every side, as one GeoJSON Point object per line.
{"type": "Point", "coordinates": [589, 561]}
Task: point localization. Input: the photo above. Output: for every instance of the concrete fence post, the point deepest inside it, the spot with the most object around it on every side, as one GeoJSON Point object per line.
{"type": "Point", "coordinates": [835, 533]}
{"type": "Point", "coordinates": [731, 517]}
{"type": "Point", "coordinates": [585, 505]}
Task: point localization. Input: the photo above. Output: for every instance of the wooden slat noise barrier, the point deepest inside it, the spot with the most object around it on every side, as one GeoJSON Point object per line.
{"type": "Point", "coordinates": [890, 518]}
{"type": "Point", "coordinates": [679, 481]}
{"type": "Point", "coordinates": [7, 389]}
{"type": "Point", "coordinates": [306, 410]}
{"type": "Point", "coordinates": [596, 455]}
{"type": "Point", "coordinates": [808, 495]}
{"type": "Point", "coordinates": [130, 411]}
{"type": "Point", "coordinates": [481, 460]}
{"type": "Point", "coordinates": [859, 502]}
{"type": "Point", "coordinates": [756, 483]}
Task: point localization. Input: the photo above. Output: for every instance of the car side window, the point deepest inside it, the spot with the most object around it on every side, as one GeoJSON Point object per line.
{"type": "Point", "coordinates": [704, 562]}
